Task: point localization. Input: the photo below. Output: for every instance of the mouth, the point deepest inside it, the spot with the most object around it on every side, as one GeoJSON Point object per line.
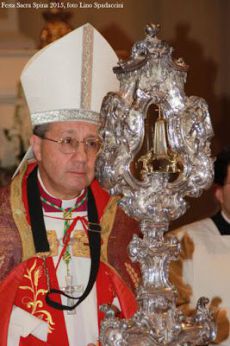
{"type": "Point", "coordinates": [77, 172]}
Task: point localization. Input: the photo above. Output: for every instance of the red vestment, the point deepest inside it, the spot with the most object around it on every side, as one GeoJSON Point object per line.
{"type": "Point", "coordinates": [18, 290]}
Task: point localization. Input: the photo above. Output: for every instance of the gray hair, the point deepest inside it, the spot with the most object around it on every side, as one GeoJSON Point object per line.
{"type": "Point", "coordinates": [41, 130]}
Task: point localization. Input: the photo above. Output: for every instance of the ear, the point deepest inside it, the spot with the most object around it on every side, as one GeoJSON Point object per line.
{"type": "Point", "coordinates": [218, 192]}
{"type": "Point", "coordinates": [35, 143]}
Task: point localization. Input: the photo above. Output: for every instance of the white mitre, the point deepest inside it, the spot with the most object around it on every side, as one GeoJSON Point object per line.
{"type": "Point", "coordinates": [68, 79]}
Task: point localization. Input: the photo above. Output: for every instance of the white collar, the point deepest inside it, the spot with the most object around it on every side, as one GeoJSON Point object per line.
{"type": "Point", "coordinates": [66, 203]}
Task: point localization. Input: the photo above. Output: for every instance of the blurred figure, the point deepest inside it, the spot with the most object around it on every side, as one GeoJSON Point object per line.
{"type": "Point", "coordinates": [204, 265]}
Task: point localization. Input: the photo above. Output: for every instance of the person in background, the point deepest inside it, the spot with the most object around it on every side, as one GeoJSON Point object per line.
{"type": "Point", "coordinates": [63, 239]}
{"type": "Point", "coordinates": [203, 268]}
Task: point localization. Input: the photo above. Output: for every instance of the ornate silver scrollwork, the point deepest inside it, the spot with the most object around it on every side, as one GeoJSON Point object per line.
{"type": "Point", "coordinates": [180, 150]}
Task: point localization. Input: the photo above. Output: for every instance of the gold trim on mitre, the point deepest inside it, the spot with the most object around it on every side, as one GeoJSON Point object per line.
{"type": "Point", "coordinates": [40, 118]}
{"type": "Point", "coordinates": [87, 67]}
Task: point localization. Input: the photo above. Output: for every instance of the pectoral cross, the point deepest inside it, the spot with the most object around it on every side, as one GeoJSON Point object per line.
{"type": "Point", "coordinates": [74, 291]}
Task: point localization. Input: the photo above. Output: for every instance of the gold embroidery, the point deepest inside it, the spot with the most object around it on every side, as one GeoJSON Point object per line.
{"type": "Point", "coordinates": [34, 302]}
{"type": "Point", "coordinates": [80, 244]}
{"type": "Point", "coordinates": [53, 242]}
{"type": "Point", "coordinates": [87, 63]}
{"type": "Point", "coordinates": [107, 222]}
{"type": "Point", "coordinates": [133, 275]}
{"type": "Point", "coordinates": [2, 258]}
{"type": "Point", "coordinates": [19, 215]}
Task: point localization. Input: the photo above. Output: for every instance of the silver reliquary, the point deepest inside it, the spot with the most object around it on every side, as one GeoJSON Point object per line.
{"type": "Point", "coordinates": [156, 152]}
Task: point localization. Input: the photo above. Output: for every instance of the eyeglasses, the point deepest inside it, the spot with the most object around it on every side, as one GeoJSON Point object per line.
{"type": "Point", "coordinates": [69, 145]}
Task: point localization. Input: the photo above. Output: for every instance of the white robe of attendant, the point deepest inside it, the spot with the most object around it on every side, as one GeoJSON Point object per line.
{"type": "Point", "coordinates": [207, 272]}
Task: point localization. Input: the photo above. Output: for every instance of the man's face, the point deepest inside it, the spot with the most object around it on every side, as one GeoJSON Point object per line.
{"type": "Point", "coordinates": [65, 175]}
{"type": "Point", "coordinates": [223, 194]}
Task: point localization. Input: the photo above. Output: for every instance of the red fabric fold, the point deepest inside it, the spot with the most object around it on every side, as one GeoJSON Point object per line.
{"type": "Point", "coordinates": [8, 291]}
{"type": "Point", "coordinates": [101, 197]}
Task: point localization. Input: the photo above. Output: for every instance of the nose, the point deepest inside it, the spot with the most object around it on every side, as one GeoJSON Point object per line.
{"type": "Point", "coordinates": [80, 153]}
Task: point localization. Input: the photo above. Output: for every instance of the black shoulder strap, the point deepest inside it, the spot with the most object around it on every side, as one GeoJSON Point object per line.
{"type": "Point", "coordinates": [95, 247]}
{"type": "Point", "coordinates": [36, 215]}
{"type": "Point", "coordinates": [222, 225]}
{"type": "Point", "coordinates": [41, 243]}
